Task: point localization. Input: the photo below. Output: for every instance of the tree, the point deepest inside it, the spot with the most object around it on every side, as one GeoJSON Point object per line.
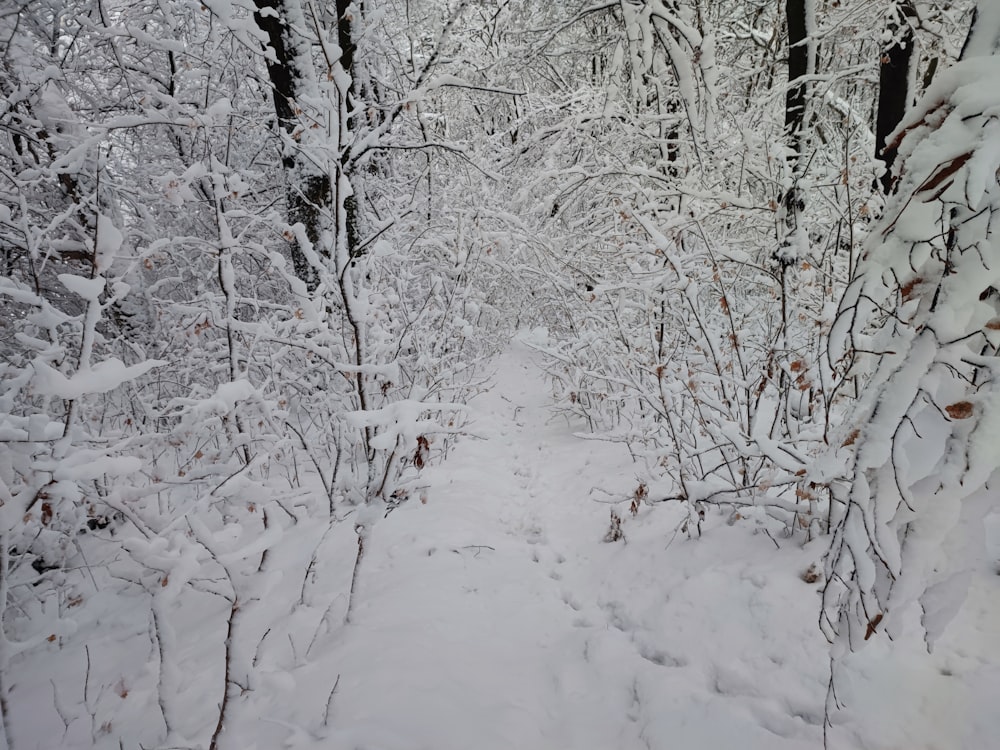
{"type": "Point", "coordinates": [918, 326]}
{"type": "Point", "coordinates": [895, 83]}
{"type": "Point", "coordinates": [324, 218]}
{"type": "Point", "coordinates": [800, 60]}
{"type": "Point", "coordinates": [308, 189]}
{"type": "Point", "coordinates": [161, 163]}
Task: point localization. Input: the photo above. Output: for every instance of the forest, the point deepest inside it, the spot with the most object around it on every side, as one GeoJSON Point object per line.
{"type": "Point", "coordinates": [325, 327]}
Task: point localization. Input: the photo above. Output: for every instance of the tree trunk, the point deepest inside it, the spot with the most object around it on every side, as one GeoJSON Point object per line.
{"type": "Point", "coordinates": [799, 59]}
{"type": "Point", "coordinates": [345, 38]}
{"type": "Point", "coordinates": [894, 94]}
{"type": "Point", "coordinates": [798, 68]}
{"type": "Point", "coordinates": [307, 191]}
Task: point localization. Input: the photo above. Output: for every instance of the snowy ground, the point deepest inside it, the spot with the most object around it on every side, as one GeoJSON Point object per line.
{"type": "Point", "coordinates": [493, 616]}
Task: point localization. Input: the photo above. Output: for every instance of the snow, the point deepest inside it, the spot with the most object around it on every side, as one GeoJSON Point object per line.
{"type": "Point", "coordinates": [103, 377]}
{"type": "Point", "coordinates": [985, 34]}
{"type": "Point", "coordinates": [490, 615]}
{"type": "Point", "coordinates": [109, 240]}
{"type": "Point", "coordinates": [919, 468]}
{"type": "Point", "coordinates": [399, 419]}
{"type": "Point", "coordinates": [89, 289]}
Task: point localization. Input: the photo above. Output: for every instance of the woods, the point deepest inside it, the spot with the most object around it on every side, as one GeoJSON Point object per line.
{"type": "Point", "coordinates": [258, 256]}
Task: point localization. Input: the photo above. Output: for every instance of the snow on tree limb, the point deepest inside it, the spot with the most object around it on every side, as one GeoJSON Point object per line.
{"type": "Point", "coordinates": [920, 318]}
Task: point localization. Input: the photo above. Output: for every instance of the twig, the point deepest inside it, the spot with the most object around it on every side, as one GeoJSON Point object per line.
{"type": "Point", "coordinates": [160, 650]}
{"type": "Point", "coordinates": [86, 564]}
{"type": "Point", "coordinates": [776, 545]}
{"type": "Point", "coordinates": [86, 677]}
{"type": "Point", "coordinates": [256, 654]}
{"type": "Point", "coordinates": [214, 743]}
{"type": "Point", "coordinates": [310, 569]}
{"type": "Point", "coordinates": [831, 696]}
{"type": "Point", "coordinates": [354, 576]}
{"type": "Point", "coordinates": [240, 470]}
{"type": "Point", "coordinates": [478, 548]}
{"type": "Point", "coordinates": [59, 709]}
{"type": "Point", "coordinates": [329, 702]}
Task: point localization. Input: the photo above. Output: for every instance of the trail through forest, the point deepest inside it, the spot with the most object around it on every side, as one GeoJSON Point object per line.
{"type": "Point", "coordinates": [490, 612]}
{"type": "Point", "coordinates": [493, 616]}
{"type": "Point", "coordinates": [277, 469]}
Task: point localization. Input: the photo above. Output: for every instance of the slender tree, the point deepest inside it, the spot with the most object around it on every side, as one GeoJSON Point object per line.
{"type": "Point", "coordinates": [798, 69]}
{"type": "Point", "coordinates": [895, 89]}
{"type": "Point", "coordinates": [801, 61]}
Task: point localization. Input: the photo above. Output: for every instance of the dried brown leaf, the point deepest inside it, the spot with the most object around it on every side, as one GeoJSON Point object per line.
{"type": "Point", "coordinates": [944, 171]}
{"type": "Point", "coordinates": [959, 410]}
{"type": "Point", "coordinates": [811, 574]}
{"type": "Point", "coordinates": [907, 290]}
{"type": "Point", "coordinates": [872, 625]}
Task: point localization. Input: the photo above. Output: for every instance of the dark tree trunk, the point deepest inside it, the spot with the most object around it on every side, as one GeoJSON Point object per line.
{"type": "Point", "coordinates": [799, 48]}
{"type": "Point", "coordinates": [307, 193]}
{"type": "Point", "coordinates": [894, 95]}
{"type": "Point", "coordinates": [798, 68]}
{"type": "Point", "coordinates": [347, 47]}
{"type": "Point", "coordinates": [345, 38]}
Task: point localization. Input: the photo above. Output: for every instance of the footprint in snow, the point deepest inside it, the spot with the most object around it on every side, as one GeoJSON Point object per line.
{"type": "Point", "coordinates": [570, 602]}
{"type": "Point", "coordinates": [658, 657]}
{"type": "Point", "coordinates": [535, 535]}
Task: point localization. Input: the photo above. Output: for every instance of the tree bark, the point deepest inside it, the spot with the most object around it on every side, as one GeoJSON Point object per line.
{"type": "Point", "coordinates": [798, 68]}
{"type": "Point", "coordinates": [307, 192]}
{"type": "Point", "coordinates": [894, 94]}
{"type": "Point", "coordinates": [799, 59]}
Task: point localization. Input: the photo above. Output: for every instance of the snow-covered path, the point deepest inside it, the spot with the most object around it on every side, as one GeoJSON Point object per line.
{"type": "Point", "coordinates": [493, 617]}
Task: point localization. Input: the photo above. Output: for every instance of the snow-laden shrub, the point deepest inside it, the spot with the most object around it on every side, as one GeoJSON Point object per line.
{"type": "Point", "coordinates": [920, 327]}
